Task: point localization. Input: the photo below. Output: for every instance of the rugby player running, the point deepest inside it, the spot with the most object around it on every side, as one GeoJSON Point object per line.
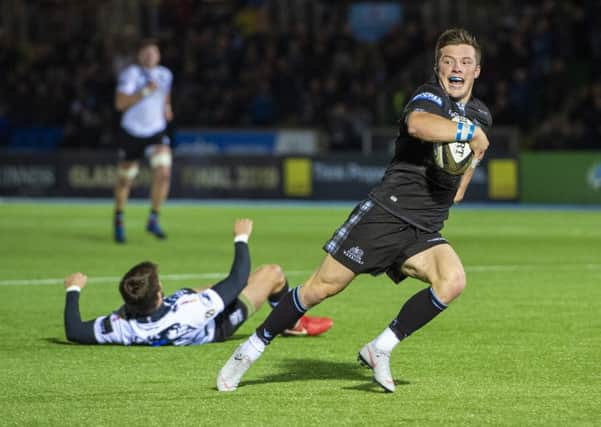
{"type": "Point", "coordinates": [143, 97]}
{"type": "Point", "coordinates": [396, 230]}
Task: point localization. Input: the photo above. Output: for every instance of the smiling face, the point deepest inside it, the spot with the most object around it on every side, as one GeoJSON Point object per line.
{"type": "Point", "coordinates": [457, 68]}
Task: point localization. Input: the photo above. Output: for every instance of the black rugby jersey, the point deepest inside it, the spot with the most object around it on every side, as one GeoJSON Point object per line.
{"type": "Point", "coordinates": [413, 187]}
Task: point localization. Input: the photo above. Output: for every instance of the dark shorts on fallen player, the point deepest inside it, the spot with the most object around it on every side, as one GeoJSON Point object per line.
{"type": "Point", "coordinates": [374, 241]}
{"type": "Point", "coordinates": [232, 317]}
{"type": "Point", "coordinates": [133, 148]}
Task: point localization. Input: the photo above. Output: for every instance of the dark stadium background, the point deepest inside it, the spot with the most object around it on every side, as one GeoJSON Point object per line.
{"type": "Point", "coordinates": [340, 70]}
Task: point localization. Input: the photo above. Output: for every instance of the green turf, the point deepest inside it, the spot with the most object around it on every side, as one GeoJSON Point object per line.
{"type": "Point", "coordinates": [521, 346]}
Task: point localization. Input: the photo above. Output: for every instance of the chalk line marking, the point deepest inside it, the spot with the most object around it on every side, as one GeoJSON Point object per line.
{"type": "Point", "coordinates": [219, 275]}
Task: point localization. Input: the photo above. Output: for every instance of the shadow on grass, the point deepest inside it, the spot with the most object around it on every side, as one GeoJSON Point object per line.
{"type": "Point", "coordinates": [241, 337]}
{"type": "Point", "coordinates": [315, 369]}
{"type": "Point", "coordinates": [54, 340]}
{"type": "Point", "coordinates": [60, 341]}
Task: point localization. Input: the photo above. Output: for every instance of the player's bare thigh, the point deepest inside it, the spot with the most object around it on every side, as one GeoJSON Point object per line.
{"type": "Point", "coordinates": [265, 280]}
{"type": "Point", "coordinates": [441, 267]}
{"type": "Point", "coordinates": [330, 278]}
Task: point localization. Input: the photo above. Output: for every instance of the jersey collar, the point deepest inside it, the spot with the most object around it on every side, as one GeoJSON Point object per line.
{"type": "Point", "coordinates": [152, 317]}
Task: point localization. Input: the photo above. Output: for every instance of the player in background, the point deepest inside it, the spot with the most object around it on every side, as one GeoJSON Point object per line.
{"type": "Point", "coordinates": [144, 98]}
{"type": "Point", "coordinates": [189, 316]}
{"type": "Point", "coordinates": [396, 230]}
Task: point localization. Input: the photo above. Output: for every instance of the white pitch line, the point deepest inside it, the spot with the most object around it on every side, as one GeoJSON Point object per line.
{"type": "Point", "coordinates": [202, 276]}
{"type": "Point", "coordinates": [532, 267]}
{"type": "Point", "coordinates": [115, 279]}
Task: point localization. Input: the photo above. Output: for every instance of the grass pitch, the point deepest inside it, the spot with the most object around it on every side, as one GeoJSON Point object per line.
{"type": "Point", "coordinates": [520, 347]}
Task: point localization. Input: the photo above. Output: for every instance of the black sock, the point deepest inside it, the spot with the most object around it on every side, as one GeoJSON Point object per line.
{"type": "Point", "coordinates": [118, 217]}
{"type": "Point", "coordinates": [416, 312]}
{"type": "Point", "coordinates": [153, 217]}
{"type": "Point", "coordinates": [274, 298]}
{"type": "Point", "coordinates": [287, 312]}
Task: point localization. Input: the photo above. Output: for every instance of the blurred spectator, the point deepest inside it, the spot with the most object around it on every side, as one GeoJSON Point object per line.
{"type": "Point", "coordinates": [84, 122]}
{"type": "Point", "coordinates": [341, 131]}
{"type": "Point", "coordinates": [263, 106]}
{"type": "Point", "coordinates": [271, 63]}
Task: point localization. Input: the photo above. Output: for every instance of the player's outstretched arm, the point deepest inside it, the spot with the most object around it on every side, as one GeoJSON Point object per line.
{"type": "Point", "coordinates": [75, 329]}
{"type": "Point", "coordinates": [230, 287]}
{"type": "Point", "coordinates": [243, 227]}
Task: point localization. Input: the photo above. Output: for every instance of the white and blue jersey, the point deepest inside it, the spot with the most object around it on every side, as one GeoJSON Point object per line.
{"type": "Point", "coordinates": [146, 117]}
{"type": "Point", "coordinates": [185, 318]}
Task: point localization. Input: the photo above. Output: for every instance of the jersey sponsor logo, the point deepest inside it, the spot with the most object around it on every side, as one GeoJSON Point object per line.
{"type": "Point", "coordinates": [428, 96]}
{"type": "Point", "coordinates": [168, 335]}
{"type": "Point", "coordinates": [356, 254]}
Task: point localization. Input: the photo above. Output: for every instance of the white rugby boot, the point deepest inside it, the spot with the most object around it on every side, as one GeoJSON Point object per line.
{"type": "Point", "coordinates": [230, 375]}
{"type": "Point", "coordinates": [379, 362]}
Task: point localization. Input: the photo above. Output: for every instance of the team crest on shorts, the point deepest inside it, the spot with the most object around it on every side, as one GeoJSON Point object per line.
{"type": "Point", "coordinates": [355, 253]}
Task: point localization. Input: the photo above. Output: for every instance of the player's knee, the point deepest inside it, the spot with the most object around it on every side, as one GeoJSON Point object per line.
{"type": "Point", "coordinates": [451, 286]}
{"type": "Point", "coordinates": [277, 273]}
{"type": "Point", "coordinates": [274, 273]}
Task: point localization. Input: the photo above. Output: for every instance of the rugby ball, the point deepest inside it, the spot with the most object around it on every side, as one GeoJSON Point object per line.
{"type": "Point", "coordinates": [454, 157]}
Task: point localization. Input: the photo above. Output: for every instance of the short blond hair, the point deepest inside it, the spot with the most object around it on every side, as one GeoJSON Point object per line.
{"type": "Point", "coordinates": [455, 36]}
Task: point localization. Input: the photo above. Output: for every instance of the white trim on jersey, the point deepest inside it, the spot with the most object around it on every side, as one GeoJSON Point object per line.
{"type": "Point", "coordinates": [188, 319]}
{"type": "Point", "coordinates": [147, 116]}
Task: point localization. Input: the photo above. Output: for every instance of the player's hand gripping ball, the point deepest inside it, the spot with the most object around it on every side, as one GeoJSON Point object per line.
{"type": "Point", "coordinates": [454, 157]}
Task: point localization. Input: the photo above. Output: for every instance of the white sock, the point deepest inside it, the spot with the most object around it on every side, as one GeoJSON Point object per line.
{"type": "Point", "coordinates": [386, 341]}
{"type": "Point", "coordinates": [253, 347]}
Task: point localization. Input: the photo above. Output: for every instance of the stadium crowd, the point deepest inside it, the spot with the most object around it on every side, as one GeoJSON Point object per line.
{"type": "Point", "coordinates": [234, 68]}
